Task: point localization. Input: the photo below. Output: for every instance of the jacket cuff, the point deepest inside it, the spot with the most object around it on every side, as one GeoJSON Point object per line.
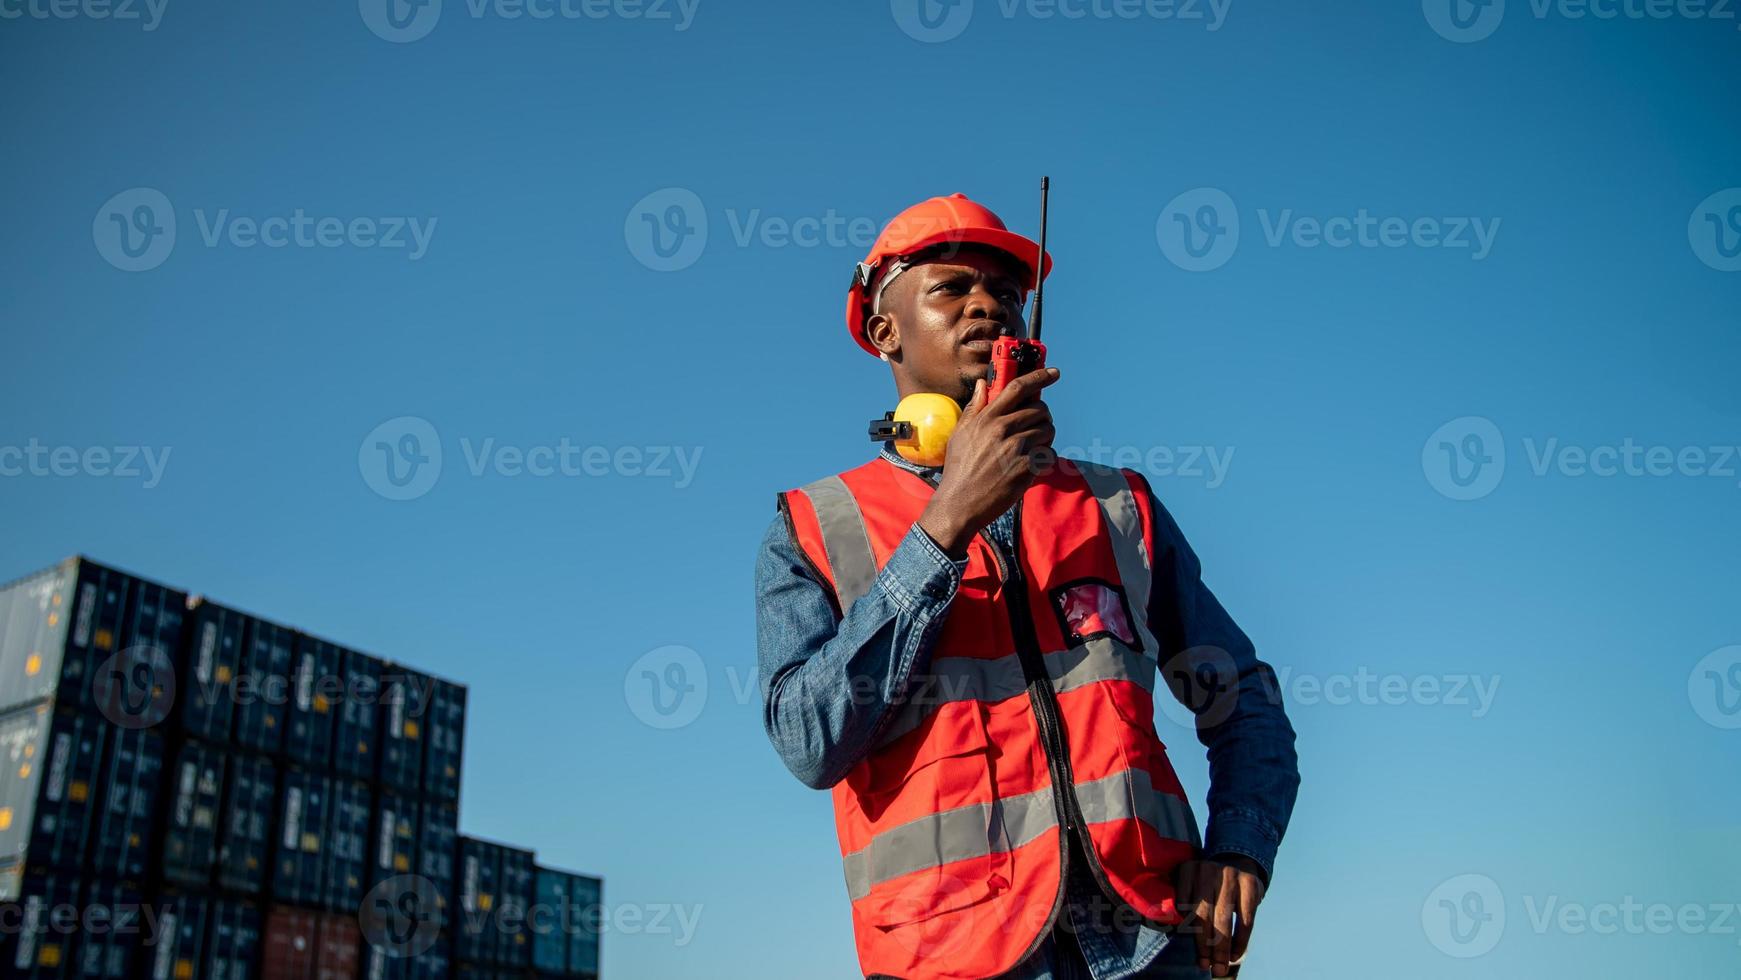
{"type": "Point", "coordinates": [1247, 832]}
{"type": "Point", "coordinates": [920, 577]}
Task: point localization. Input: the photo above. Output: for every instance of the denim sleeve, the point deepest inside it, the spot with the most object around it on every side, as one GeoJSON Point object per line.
{"type": "Point", "coordinates": [1254, 774]}
{"type": "Point", "coordinates": [828, 683]}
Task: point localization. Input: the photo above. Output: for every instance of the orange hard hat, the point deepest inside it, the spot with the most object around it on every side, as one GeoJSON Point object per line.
{"type": "Point", "coordinates": [940, 222]}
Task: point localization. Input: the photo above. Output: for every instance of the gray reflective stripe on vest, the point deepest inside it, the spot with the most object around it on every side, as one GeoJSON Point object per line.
{"type": "Point", "coordinates": [1129, 549]}
{"type": "Point", "coordinates": [1005, 825]}
{"type": "Point", "coordinates": [953, 835]}
{"type": "Point", "coordinates": [992, 680]}
{"type": "Point", "coordinates": [1106, 799]}
{"type": "Point", "coordinates": [844, 538]}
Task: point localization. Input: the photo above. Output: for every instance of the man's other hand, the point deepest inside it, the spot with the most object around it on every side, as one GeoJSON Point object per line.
{"type": "Point", "coordinates": [1218, 898]}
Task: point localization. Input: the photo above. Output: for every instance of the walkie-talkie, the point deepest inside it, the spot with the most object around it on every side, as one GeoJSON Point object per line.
{"type": "Point", "coordinates": [1012, 356]}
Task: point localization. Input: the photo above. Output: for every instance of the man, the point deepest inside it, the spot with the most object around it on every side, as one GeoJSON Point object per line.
{"type": "Point", "coordinates": [967, 655]}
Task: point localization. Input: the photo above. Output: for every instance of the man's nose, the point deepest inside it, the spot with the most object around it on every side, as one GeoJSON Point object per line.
{"type": "Point", "coordinates": [982, 304]}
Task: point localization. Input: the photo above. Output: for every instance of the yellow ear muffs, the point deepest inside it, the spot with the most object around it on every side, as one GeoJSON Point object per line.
{"type": "Point", "coordinates": [920, 427]}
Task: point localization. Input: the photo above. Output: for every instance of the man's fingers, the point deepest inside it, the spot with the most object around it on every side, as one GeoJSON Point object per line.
{"type": "Point", "coordinates": [1250, 894]}
{"type": "Point", "coordinates": [975, 401]}
{"type": "Point", "coordinates": [1024, 388]}
{"type": "Point", "coordinates": [1187, 887]}
{"type": "Point", "coordinates": [1226, 905]}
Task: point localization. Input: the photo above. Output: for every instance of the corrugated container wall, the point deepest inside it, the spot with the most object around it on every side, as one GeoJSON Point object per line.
{"type": "Point", "coordinates": [48, 788]}
{"type": "Point", "coordinates": [194, 804]}
{"type": "Point", "coordinates": [347, 846]}
{"type": "Point", "coordinates": [127, 809]}
{"type": "Point", "coordinates": [355, 746]}
{"type": "Point", "coordinates": [245, 834]}
{"type": "Point", "coordinates": [263, 689]}
{"type": "Point", "coordinates": [185, 925]}
{"type": "Point", "coordinates": [315, 685]}
{"type": "Point", "coordinates": [443, 711]}
{"type": "Point", "coordinates": [209, 666]}
{"type": "Point", "coordinates": [302, 816]}
{"type": "Point", "coordinates": [401, 731]}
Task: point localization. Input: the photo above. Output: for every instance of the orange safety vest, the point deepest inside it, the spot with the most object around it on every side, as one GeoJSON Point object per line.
{"type": "Point", "coordinates": [1042, 676]}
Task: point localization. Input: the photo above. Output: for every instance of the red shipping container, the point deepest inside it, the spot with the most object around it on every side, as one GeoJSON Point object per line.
{"type": "Point", "coordinates": [290, 944]}
{"type": "Point", "coordinates": [338, 944]}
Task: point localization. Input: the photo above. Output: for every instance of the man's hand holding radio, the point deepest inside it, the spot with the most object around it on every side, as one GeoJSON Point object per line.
{"type": "Point", "coordinates": [991, 460]}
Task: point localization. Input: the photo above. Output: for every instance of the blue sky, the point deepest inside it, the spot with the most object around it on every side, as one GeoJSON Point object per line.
{"type": "Point", "coordinates": [438, 225]}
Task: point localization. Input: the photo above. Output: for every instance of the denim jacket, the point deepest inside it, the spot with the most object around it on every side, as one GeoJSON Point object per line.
{"type": "Point", "coordinates": [808, 662]}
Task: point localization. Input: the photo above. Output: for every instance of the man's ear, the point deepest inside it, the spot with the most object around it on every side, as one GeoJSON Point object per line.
{"type": "Point", "coordinates": [884, 334]}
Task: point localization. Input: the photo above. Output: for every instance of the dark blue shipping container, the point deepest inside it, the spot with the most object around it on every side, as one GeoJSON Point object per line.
{"type": "Point", "coordinates": [552, 907]}
{"type": "Point", "coordinates": [245, 826]}
{"type": "Point", "coordinates": [262, 690]}
{"type": "Point", "coordinates": [136, 686]}
{"type": "Point", "coordinates": [58, 626]}
{"type": "Point", "coordinates": [356, 720]}
{"type": "Point", "coordinates": [126, 812]}
{"type": "Point", "coordinates": [403, 691]}
{"type": "Point", "coordinates": [194, 804]}
{"type": "Point", "coordinates": [442, 709]}
{"type": "Point", "coordinates": [514, 896]}
{"type": "Point", "coordinates": [437, 848]}
{"type": "Point", "coordinates": [347, 846]}
{"type": "Point", "coordinates": [43, 910]}
{"type": "Point", "coordinates": [184, 928]}
{"type": "Point", "coordinates": [303, 806]}
{"type": "Point", "coordinates": [433, 964]}
{"type": "Point", "coordinates": [210, 663]}
{"type": "Point", "coordinates": [587, 894]}
{"type": "Point", "coordinates": [113, 932]}
{"type": "Point", "coordinates": [51, 761]}
{"type": "Point", "coordinates": [395, 844]}
{"type": "Point", "coordinates": [316, 687]}
{"type": "Point", "coordinates": [235, 941]}
{"type": "Point", "coordinates": [480, 869]}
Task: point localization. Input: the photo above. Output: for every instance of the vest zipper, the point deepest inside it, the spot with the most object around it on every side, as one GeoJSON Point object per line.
{"type": "Point", "coordinates": [1044, 698]}
{"type": "Point", "coordinates": [1040, 691]}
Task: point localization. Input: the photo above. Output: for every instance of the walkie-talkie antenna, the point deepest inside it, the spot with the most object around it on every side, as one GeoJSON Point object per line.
{"type": "Point", "coordinates": [1040, 263]}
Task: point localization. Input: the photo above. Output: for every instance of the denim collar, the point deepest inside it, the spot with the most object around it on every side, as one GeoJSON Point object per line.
{"type": "Point", "coordinates": [930, 474]}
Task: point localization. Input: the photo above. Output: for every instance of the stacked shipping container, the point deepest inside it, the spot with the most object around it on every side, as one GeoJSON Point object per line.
{"type": "Point", "coordinates": [248, 809]}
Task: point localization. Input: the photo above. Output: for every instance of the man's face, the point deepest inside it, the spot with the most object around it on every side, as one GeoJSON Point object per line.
{"type": "Point", "coordinates": [939, 318]}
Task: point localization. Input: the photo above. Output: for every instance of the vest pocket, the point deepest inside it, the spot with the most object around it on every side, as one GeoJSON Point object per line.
{"type": "Point", "coordinates": [939, 844]}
